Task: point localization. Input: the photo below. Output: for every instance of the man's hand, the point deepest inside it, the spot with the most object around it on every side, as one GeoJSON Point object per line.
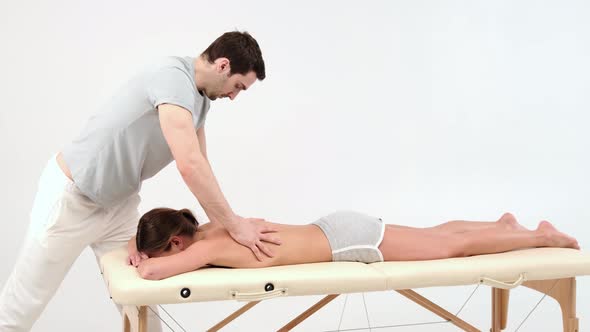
{"type": "Point", "coordinates": [135, 258]}
{"type": "Point", "coordinates": [252, 235]}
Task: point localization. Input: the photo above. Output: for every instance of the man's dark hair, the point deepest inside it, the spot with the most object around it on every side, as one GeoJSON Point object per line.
{"type": "Point", "coordinates": [241, 49]}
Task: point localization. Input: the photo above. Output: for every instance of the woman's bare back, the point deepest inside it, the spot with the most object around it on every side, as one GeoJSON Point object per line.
{"type": "Point", "coordinates": [300, 244]}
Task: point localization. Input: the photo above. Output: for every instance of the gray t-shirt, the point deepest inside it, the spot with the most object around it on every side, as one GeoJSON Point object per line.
{"type": "Point", "coordinates": [123, 143]}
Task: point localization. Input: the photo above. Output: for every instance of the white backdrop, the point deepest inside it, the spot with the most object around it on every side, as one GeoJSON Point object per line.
{"type": "Point", "coordinates": [416, 111]}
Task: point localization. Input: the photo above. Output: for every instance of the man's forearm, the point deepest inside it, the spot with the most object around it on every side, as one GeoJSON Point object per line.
{"type": "Point", "coordinates": [202, 183]}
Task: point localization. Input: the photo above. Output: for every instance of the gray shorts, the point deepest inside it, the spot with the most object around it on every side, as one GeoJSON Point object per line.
{"type": "Point", "coordinates": [353, 236]}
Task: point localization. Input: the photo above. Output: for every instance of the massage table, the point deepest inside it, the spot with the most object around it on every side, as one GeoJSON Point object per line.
{"type": "Point", "coordinates": [551, 271]}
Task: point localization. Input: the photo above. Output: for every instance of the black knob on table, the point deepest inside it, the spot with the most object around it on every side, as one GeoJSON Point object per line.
{"type": "Point", "coordinates": [269, 287]}
{"type": "Point", "coordinates": [185, 292]}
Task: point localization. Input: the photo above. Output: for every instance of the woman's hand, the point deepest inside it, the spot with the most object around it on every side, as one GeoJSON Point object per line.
{"type": "Point", "coordinates": [135, 258]}
{"type": "Point", "coordinates": [249, 233]}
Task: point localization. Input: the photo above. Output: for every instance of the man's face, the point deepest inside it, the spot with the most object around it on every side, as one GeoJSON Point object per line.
{"type": "Point", "coordinates": [230, 86]}
{"type": "Point", "coordinates": [226, 86]}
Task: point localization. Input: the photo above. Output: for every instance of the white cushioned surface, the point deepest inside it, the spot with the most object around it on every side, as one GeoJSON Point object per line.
{"type": "Point", "coordinates": [213, 284]}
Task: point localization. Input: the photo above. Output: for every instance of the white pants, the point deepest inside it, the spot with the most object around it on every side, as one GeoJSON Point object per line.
{"type": "Point", "coordinates": [63, 222]}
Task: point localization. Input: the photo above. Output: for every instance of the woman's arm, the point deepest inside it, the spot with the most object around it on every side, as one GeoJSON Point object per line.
{"type": "Point", "coordinates": [134, 256]}
{"type": "Point", "coordinates": [195, 256]}
{"type": "Point", "coordinates": [131, 245]}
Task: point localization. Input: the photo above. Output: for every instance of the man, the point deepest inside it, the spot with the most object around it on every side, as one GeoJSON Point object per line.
{"type": "Point", "coordinates": [88, 193]}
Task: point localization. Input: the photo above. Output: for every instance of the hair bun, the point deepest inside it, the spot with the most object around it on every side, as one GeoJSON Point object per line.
{"type": "Point", "coordinates": [189, 215]}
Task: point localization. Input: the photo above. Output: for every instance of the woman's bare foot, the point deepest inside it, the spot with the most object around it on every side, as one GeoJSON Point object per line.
{"type": "Point", "coordinates": [556, 238]}
{"type": "Point", "coordinates": [509, 221]}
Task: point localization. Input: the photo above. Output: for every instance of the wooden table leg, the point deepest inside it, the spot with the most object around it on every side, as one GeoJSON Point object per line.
{"type": "Point", "coordinates": [297, 320]}
{"type": "Point", "coordinates": [499, 309]}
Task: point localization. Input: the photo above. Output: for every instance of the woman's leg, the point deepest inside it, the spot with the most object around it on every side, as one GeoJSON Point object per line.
{"type": "Point", "coordinates": [495, 240]}
{"type": "Point", "coordinates": [402, 244]}
{"type": "Point", "coordinates": [507, 220]}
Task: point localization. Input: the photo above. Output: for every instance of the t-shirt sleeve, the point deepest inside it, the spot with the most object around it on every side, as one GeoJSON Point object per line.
{"type": "Point", "coordinates": [171, 85]}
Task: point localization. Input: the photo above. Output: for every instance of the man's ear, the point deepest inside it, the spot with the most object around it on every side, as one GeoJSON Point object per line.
{"type": "Point", "coordinates": [222, 65]}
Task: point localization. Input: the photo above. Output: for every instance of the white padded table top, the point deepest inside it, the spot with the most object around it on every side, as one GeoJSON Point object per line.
{"type": "Point", "coordinates": [535, 264]}
{"type": "Point", "coordinates": [212, 284]}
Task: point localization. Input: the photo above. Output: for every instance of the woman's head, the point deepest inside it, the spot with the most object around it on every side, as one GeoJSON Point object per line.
{"type": "Point", "coordinates": [162, 231]}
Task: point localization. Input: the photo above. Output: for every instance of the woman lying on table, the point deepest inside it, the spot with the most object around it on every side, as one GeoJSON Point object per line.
{"type": "Point", "coordinates": [171, 242]}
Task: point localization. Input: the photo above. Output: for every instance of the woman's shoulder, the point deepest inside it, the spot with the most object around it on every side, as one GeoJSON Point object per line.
{"type": "Point", "coordinates": [207, 225]}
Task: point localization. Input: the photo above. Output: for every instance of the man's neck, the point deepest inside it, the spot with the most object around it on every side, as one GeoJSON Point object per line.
{"type": "Point", "coordinates": [201, 72]}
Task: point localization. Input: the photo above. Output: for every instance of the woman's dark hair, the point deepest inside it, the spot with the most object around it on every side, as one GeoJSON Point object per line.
{"type": "Point", "coordinates": [241, 49]}
{"type": "Point", "coordinates": [158, 225]}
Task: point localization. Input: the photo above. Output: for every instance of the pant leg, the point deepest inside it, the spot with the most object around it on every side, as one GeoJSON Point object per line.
{"type": "Point", "coordinates": [121, 224]}
{"type": "Point", "coordinates": [57, 234]}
